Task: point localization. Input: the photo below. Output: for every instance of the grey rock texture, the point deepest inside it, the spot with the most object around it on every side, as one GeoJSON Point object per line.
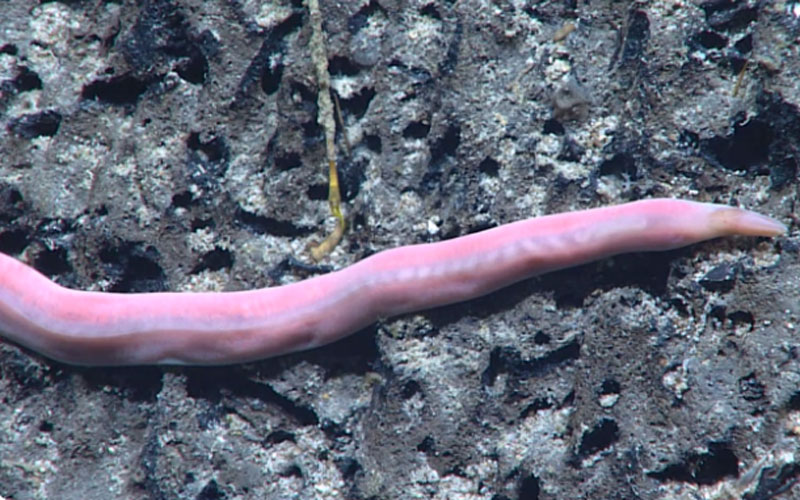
{"type": "Point", "coordinates": [173, 144]}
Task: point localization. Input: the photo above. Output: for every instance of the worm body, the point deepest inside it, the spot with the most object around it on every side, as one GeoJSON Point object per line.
{"type": "Point", "coordinates": [98, 328]}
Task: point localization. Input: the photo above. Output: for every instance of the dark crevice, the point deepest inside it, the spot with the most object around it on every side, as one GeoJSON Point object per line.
{"type": "Point", "coordinates": [621, 164]}
{"type": "Point", "coordinates": [648, 271]}
{"type": "Point", "coordinates": [793, 404]}
{"type": "Point", "coordinates": [52, 262]}
{"type": "Point", "coordinates": [431, 11]}
{"type": "Point", "coordinates": [287, 161]}
{"type": "Point", "coordinates": [417, 130]}
{"type": "Point", "coordinates": [119, 90]}
{"type": "Point", "coordinates": [162, 39]}
{"type": "Point", "coordinates": [312, 131]}
{"type": "Point", "coordinates": [442, 148]}
{"type": "Point", "coordinates": [374, 143]}
{"type": "Point", "coordinates": [214, 149]}
{"type": "Point", "coordinates": [317, 192]}
{"type": "Point", "coordinates": [410, 389]}
{"type": "Point", "coordinates": [742, 318]}
{"type": "Point", "coordinates": [427, 445]}
{"type": "Point", "coordinates": [183, 199]}
{"type": "Point", "coordinates": [706, 468]}
{"type": "Point", "coordinates": [27, 80]}
{"type": "Point", "coordinates": [752, 146]}
{"type": "Point", "coordinates": [746, 148]}
{"type": "Point", "coordinates": [360, 19]}
{"type": "Point", "coordinates": [280, 436]}
{"type": "Point", "coordinates": [334, 430]}
{"type": "Point", "coordinates": [43, 124]}
{"type": "Point", "coordinates": [339, 65]}
{"type": "Point", "coordinates": [211, 491]}
{"type": "Point", "coordinates": [14, 241]}
{"type": "Point", "coordinates": [489, 166]}
{"type": "Point", "coordinates": [636, 37]}
{"type": "Point", "coordinates": [305, 95]}
{"type": "Point", "coordinates": [216, 259]}
{"type": "Point", "coordinates": [535, 406]}
{"type": "Point", "coordinates": [447, 144]}
{"type": "Point", "coordinates": [553, 126]}
{"type": "Point", "coordinates": [354, 354]}
{"type": "Point", "coordinates": [260, 224]}
{"type": "Point", "coordinates": [202, 223]}
{"type": "Point", "coordinates": [745, 44]}
{"type": "Point", "coordinates": [133, 267]}
{"type": "Point", "coordinates": [782, 116]}
{"type": "Point", "coordinates": [602, 435]}
{"type": "Point", "coordinates": [727, 15]}
{"type": "Point", "coordinates": [194, 67]}
{"type": "Point", "coordinates": [267, 67]}
{"type": "Point", "coordinates": [293, 470]}
{"type": "Point", "coordinates": [721, 278]}
{"type": "Point", "coordinates": [709, 40]}
{"type": "Point", "coordinates": [774, 481]}
{"type": "Point", "coordinates": [136, 384]}
{"type": "Point", "coordinates": [358, 103]}
{"type": "Point", "coordinates": [529, 488]}
{"type": "Point", "coordinates": [215, 384]}
{"type": "Point", "coordinates": [508, 360]}
{"type": "Point", "coordinates": [610, 386]}
{"type": "Point", "coordinates": [351, 176]}
{"type": "Point", "coordinates": [348, 467]}
{"type": "Point", "coordinates": [571, 150]}
{"type": "Point", "coordinates": [161, 31]}
{"type": "Point", "coordinates": [271, 77]}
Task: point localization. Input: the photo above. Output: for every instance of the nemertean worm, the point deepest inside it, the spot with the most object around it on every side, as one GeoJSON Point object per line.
{"type": "Point", "coordinates": [98, 328]}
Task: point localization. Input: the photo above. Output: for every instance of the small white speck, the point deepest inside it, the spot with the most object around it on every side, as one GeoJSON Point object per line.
{"type": "Point", "coordinates": [608, 400]}
{"type": "Point", "coordinates": [433, 225]}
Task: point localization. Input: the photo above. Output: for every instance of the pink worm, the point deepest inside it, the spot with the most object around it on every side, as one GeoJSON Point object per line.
{"type": "Point", "coordinates": [99, 328]}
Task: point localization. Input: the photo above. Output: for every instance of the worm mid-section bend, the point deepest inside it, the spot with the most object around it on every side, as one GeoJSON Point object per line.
{"type": "Point", "coordinates": [98, 328]}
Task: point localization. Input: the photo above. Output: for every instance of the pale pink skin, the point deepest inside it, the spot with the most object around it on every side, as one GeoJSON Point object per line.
{"type": "Point", "coordinates": [98, 328]}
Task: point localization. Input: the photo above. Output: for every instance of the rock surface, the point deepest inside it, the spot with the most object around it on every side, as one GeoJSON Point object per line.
{"type": "Point", "coordinates": [173, 144]}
